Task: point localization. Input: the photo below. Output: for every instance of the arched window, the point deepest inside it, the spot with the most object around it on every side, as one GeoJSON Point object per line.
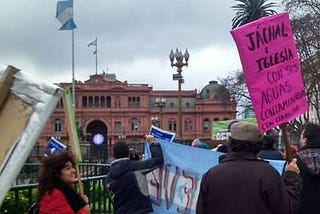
{"type": "Point", "coordinates": [108, 101]}
{"type": "Point", "coordinates": [188, 125]}
{"type": "Point", "coordinates": [60, 103]}
{"type": "Point", "coordinates": [137, 103]}
{"type": "Point", "coordinates": [172, 125]}
{"type": "Point", "coordinates": [102, 102]}
{"type": "Point", "coordinates": [84, 101]}
{"type": "Point", "coordinates": [90, 101]}
{"type": "Point", "coordinates": [133, 101]}
{"type": "Point", "coordinates": [96, 101]}
{"type": "Point", "coordinates": [134, 124]}
{"type": "Point", "coordinates": [57, 125]}
{"type": "Point", "coordinates": [206, 125]}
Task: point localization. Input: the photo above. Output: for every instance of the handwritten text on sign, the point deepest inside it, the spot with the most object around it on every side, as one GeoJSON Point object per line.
{"type": "Point", "coordinates": [177, 187]}
{"type": "Point", "coordinates": [272, 70]}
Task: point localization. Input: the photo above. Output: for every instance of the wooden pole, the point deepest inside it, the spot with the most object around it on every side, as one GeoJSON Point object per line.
{"type": "Point", "coordinates": [72, 143]}
{"type": "Point", "coordinates": [285, 141]}
{"type": "Point", "coordinates": [6, 82]}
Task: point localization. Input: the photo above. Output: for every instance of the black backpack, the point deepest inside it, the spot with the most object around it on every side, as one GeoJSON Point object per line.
{"type": "Point", "coordinates": [33, 209]}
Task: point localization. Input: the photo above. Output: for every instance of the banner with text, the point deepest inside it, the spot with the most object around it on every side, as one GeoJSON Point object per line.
{"type": "Point", "coordinates": [174, 187]}
{"type": "Point", "coordinates": [162, 134]}
{"type": "Point", "coordinates": [272, 70]}
{"type": "Point", "coordinates": [221, 129]}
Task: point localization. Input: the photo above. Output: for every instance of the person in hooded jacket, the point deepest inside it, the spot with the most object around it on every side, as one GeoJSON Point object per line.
{"type": "Point", "coordinates": [127, 178]}
{"type": "Point", "coordinates": [308, 160]}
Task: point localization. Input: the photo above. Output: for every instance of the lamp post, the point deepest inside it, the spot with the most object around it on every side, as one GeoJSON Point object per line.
{"type": "Point", "coordinates": [179, 60]}
{"type": "Point", "coordinates": [155, 121]}
{"type": "Point", "coordinates": [161, 103]}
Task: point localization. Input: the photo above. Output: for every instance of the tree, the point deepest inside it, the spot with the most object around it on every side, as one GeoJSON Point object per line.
{"type": "Point", "coordinates": [250, 10]}
{"type": "Point", "coordinates": [305, 21]}
{"type": "Point", "coordinates": [238, 90]}
{"type": "Point", "coordinates": [246, 11]}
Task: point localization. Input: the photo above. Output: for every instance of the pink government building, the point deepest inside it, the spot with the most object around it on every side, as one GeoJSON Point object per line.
{"type": "Point", "coordinates": [108, 110]}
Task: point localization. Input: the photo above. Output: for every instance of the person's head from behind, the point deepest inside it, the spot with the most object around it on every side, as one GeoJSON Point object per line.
{"type": "Point", "coordinates": [268, 142]}
{"type": "Point", "coordinates": [245, 137]}
{"type": "Point", "coordinates": [310, 135]}
{"type": "Point", "coordinates": [120, 150]}
{"type": "Point", "coordinates": [222, 148]}
{"type": "Point", "coordinates": [55, 169]}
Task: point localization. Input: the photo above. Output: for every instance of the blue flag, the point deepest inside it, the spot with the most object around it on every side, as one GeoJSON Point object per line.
{"type": "Point", "coordinates": [54, 147]}
{"type": "Point", "coordinates": [175, 186]}
{"type": "Point", "coordinates": [65, 14]}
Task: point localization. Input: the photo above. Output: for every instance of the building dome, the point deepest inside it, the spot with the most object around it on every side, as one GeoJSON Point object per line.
{"type": "Point", "coordinates": [215, 91]}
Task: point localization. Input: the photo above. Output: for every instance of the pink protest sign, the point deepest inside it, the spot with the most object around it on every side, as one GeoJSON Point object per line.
{"type": "Point", "coordinates": [272, 70]}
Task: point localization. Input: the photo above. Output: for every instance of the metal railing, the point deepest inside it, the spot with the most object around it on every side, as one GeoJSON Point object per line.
{"type": "Point", "coordinates": [21, 196]}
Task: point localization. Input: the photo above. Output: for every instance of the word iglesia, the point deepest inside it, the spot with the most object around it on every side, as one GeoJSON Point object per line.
{"type": "Point", "coordinates": [261, 38]}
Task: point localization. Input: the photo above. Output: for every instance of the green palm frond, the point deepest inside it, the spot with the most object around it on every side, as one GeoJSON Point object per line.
{"type": "Point", "coordinates": [250, 10]}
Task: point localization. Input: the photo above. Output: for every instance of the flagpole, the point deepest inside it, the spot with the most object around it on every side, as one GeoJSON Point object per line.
{"type": "Point", "coordinates": [73, 86]}
{"type": "Point", "coordinates": [96, 55]}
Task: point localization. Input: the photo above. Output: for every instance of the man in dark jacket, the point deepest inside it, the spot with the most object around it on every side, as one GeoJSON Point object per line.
{"type": "Point", "coordinates": [309, 165]}
{"type": "Point", "coordinates": [127, 178]}
{"type": "Point", "coordinates": [242, 183]}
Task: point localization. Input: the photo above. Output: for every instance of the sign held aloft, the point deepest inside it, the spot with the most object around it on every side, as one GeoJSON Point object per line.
{"type": "Point", "coordinates": [272, 70]}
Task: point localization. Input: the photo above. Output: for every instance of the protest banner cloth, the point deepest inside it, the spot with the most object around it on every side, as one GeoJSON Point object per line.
{"type": "Point", "coordinates": [174, 187]}
{"type": "Point", "coordinates": [272, 70]}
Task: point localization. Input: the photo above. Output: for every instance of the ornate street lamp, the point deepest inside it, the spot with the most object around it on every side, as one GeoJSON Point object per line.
{"type": "Point", "coordinates": [161, 103]}
{"type": "Point", "coordinates": [155, 121]}
{"type": "Point", "coordinates": [179, 60]}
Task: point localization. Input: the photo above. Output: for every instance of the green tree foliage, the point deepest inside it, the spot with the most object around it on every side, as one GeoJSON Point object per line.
{"type": "Point", "coordinates": [250, 10]}
{"type": "Point", "coordinates": [235, 84]}
{"type": "Point", "coordinates": [305, 21]}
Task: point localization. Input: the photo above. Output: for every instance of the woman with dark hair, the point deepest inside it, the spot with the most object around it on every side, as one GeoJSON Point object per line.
{"type": "Point", "coordinates": [308, 160]}
{"type": "Point", "coordinates": [56, 189]}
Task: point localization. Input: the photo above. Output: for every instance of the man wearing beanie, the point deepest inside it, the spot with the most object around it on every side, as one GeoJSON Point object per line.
{"type": "Point", "coordinates": [127, 178]}
{"type": "Point", "coordinates": [242, 183]}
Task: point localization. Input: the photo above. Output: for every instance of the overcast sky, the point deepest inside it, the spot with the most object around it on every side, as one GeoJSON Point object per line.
{"type": "Point", "coordinates": [134, 40]}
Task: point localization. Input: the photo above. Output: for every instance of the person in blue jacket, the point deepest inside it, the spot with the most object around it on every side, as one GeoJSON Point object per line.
{"type": "Point", "coordinates": [127, 178]}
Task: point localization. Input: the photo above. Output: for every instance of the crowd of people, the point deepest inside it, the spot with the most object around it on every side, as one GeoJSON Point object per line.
{"type": "Point", "coordinates": [242, 181]}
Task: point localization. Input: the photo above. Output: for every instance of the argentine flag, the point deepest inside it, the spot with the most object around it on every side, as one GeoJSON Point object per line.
{"type": "Point", "coordinates": [94, 43]}
{"type": "Point", "coordinates": [65, 14]}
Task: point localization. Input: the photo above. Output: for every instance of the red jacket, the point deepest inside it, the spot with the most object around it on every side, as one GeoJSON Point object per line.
{"type": "Point", "coordinates": [56, 203]}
